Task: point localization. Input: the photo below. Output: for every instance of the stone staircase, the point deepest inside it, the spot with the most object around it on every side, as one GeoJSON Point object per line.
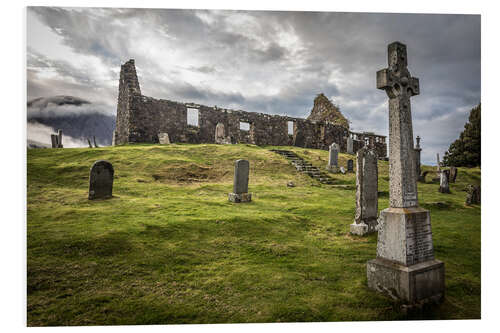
{"type": "Point", "coordinates": [305, 167]}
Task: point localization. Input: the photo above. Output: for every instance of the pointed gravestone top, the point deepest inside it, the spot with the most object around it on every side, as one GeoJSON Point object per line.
{"type": "Point", "coordinates": [400, 86]}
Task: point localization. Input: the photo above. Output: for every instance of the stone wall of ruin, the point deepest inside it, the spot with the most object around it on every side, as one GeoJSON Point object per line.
{"type": "Point", "coordinates": [141, 119]}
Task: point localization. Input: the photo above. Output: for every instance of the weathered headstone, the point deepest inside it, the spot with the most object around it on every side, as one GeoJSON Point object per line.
{"type": "Point", "coordinates": [59, 139]}
{"type": "Point", "coordinates": [163, 138]}
{"type": "Point", "coordinates": [101, 180]}
{"type": "Point", "coordinates": [444, 184]}
{"type": "Point", "coordinates": [365, 220]}
{"type": "Point", "coordinates": [418, 150]}
{"type": "Point", "coordinates": [220, 133]}
{"type": "Point", "coordinates": [333, 156]}
{"type": "Point", "coordinates": [350, 166]}
{"type": "Point", "coordinates": [53, 139]}
{"type": "Point", "coordinates": [350, 145]}
{"type": "Point", "coordinates": [405, 267]}
{"type": "Point", "coordinates": [473, 195]}
{"type": "Point", "coordinates": [240, 184]}
{"type": "Point", "coordinates": [453, 174]}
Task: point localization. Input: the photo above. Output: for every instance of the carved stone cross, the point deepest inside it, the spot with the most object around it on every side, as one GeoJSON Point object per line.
{"type": "Point", "coordinates": [399, 85]}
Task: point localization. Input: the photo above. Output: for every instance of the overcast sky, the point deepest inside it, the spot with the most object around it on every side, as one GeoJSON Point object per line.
{"type": "Point", "coordinates": [271, 62]}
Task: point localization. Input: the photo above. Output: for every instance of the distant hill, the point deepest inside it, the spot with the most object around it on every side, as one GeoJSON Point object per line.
{"type": "Point", "coordinates": [76, 117]}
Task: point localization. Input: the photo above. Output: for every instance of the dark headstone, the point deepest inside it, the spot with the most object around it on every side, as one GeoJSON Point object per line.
{"type": "Point", "coordinates": [53, 139]}
{"type": "Point", "coordinates": [90, 144]}
{"type": "Point", "coordinates": [59, 139]}
{"type": "Point", "coordinates": [101, 180]}
{"type": "Point", "coordinates": [95, 143]}
{"type": "Point", "coordinates": [453, 174]}
{"type": "Point", "coordinates": [350, 166]}
{"type": "Point", "coordinates": [240, 185]}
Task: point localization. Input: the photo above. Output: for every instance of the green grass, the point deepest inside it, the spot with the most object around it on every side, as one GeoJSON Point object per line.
{"type": "Point", "coordinates": [169, 247]}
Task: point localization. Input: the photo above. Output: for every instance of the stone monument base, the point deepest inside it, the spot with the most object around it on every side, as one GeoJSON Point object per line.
{"type": "Point", "coordinates": [415, 284]}
{"type": "Point", "coordinates": [363, 228]}
{"type": "Point", "coordinates": [333, 168]}
{"type": "Point", "coordinates": [240, 197]}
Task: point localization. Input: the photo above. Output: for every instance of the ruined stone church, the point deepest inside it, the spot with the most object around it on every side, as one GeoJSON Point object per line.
{"type": "Point", "coordinates": [143, 119]}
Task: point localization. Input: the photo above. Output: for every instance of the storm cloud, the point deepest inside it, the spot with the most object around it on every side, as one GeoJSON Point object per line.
{"type": "Point", "coordinates": [272, 62]}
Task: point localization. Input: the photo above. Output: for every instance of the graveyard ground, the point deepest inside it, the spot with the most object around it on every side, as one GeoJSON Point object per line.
{"type": "Point", "coordinates": [170, 248]}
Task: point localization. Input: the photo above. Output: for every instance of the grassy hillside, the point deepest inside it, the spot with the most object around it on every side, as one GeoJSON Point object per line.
{"type": "Point", "coordinates": [170, 248]}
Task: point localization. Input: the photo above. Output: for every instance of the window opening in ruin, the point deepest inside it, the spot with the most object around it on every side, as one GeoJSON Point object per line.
{"type": "Point", "coordinates": [244, 126]}
{"type": "Point", "coordinates": [290, 127]}
{"type": "Point", "coordinates": [192, 117]}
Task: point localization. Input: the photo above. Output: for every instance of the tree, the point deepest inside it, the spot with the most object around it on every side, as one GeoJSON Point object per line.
{"type": "Point", "coordinates": [466, 150]}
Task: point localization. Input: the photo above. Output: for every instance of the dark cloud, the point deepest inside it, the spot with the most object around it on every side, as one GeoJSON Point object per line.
{"type": "Point", "coordinates": [273, 62]}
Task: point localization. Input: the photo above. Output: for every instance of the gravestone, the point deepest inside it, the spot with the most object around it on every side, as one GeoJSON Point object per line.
{"type": "Point", "coordinates": [163, 138]}
{"type": "Point", "coordinates": [240, 184]}
{"type": "Point", "coordinates": [405, 267]}
{"type": "Point", "coordinates": [418, 150]}
{"type": "Point", "coordinates": [90, 144]}
{"type": "Point", "coordinates": [350, 166]}
{"type": "Point", "coordinates": [220, 134]}
{"type": "Point", "coordinates": [342, 170]}
{"type": "Point", "coordinates": [453, 174]}
{"type": "Point", "coordinates": [333, 156]}
{"type": "Point", "coordinates": [473, 195]}
{"type": "Point", "coordinates": [101, 180]}
{"type": "Point", "coordinates": [444, 185]}
{"type": "Point", "coordinates": [59, 139]}
{"type": "Point", "coordinates": [53, 139]}
{"type": "Point", "coordinates": [350, 145]}
{"type": "Point", "coordinates": [95, 143]}
{"type": "Point", "coordinates": [365, 220]}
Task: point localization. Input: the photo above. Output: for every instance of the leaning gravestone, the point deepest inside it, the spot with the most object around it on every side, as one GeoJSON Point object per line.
{"type": "Point", "coordinates": [453, 174]}
{"type": "Point", "coordinates": [163, 138]}
{"type": "Point", "coordinates": [405, 267]}
{"type": "Point", "coordinates": [350, 166]}
{"type": "Point", "coordinates": [365, 220]}
{"type": "Point", "coordinates": [444, 185]}
{"type": "Point", "coordinates": [101, 180]}
{"type": "Point", "coordinates": [350, 145]}
{"type": "Point", "coordinates": [333, 157]}
{"type": "Point", "coordinates": [240, 184]}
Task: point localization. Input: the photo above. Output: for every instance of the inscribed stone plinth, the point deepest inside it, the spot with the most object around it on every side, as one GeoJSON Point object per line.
{"type": "Point", "coordinates": [365, 220]}
{"type": "Point", "coordinates": [350, 145]}
{"type": "Point", "coordinates": [240, 183]}
{"type": "Point", "coordinates": [444, 186]}
{"type": "Point", "coordinates": [333, 155]}
{"type": "Point", "coordinates": [350, 165]}
{"type": "Point", "coordinates": [405, 267]}
{"type": "Point", "coordinates": [101, 180]}
{"type": "Point", "coordinates": [163, 138]}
